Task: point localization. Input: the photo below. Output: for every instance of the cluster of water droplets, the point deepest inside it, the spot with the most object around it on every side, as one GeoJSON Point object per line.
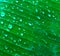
{"type": "Point", "coordinates": [21, 26]}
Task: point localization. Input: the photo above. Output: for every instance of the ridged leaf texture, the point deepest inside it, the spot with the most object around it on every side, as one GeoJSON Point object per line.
{"type": "Point", "coordinates": [29, 27]}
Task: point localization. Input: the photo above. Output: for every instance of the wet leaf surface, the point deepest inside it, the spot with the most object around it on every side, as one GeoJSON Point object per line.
{"type": "Point", "coordinates": [29, 28]}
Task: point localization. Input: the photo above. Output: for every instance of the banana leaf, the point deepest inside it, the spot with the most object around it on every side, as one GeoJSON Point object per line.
{"type": "Point", "coordinates": [29, 27]}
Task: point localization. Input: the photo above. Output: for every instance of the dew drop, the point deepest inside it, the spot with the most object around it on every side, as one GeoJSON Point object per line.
{"type": "Point", "coordinates": [2, 22]}
{"type": "Point", "coordinates": [49, 11]}
{"type": "Point", "coordinates": [10, 26]}
{"type": "Point", "coordinates": [6, 47]}
{"type": "Point", "coordinates": [14, 18]}
{"type": "Point", "coordinates": [20, 20]}
{"type": "Point", "coordinates": [14, 40]}
{"type": "Point", "coordinates": [21, 34]}
{"type": "Point", "coordinates": [43, 12]}
{"type": "Point", "coordinates": [19, 40]}
{"type": "Point", "coordinates": [36, 10]}
{"type": "Point", "coordinates": [2, 14]}
{"type": "Point", "coordinates": [19, 28]}
{"type": "Point", "coordinates": [16, 1]}
{"type": "Point", "coordinates": [49, 15]}
{"type": "Point", "coordinates": [29, 24]}
{"type": "Point", "coordinates": [24, 42]}
{"type": "Point", "coordinates": [21, 10]}
{"type": "Point", "coordinates": [16, 55]}
{"type": "Point", "coordinates": [5, 35]}
{"type": "Point", "coordinates": [38, 17]}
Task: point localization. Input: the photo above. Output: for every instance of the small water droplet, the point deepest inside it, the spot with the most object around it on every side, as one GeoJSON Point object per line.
{"type": "Point", "coordinates": [20, 20]}
{"type": "Point", "coordinates": [2, 22]}
{"type": "Point", "coordinates": [43, 12]}
{"type": "Point", "coordinates": [38, 17]}
{"type": "Point", "coordinates": [19, 28]}
{"type": "Point", "coordinates": [36, 10]}
{"type": "Point", "coordinates": [21, 34]}
{"type": "Point", "coordinates": [49, 15]}
{"type": "Point", "coordinates": [6, 47]}
{"type": "Point", "coordinates": [29, 24]}
{"type": "Point", "coordinates": [24, 42]}
{"type": "Point", "coordinates": [14, 40]}
{"type": "Point", "coordinates": [17, 1]}
{"type": "Point", "coordinates": [2, 14]}
{"type": "Point", "coordinates": [10, 26]}
{"type": "Point", "coordinates": [19, 40]}
{"type": "Point", "coordinates": [21, 10]}
{"type": "Point", "coordinates": [5, 35]}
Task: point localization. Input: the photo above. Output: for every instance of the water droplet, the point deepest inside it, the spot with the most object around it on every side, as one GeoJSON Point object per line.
{"type": "Point", "coordinates": [21, 34]}
{"type": "Point", "coordinates": [19, 40]}
{"type": "Point", "coordinates": [5, 35]}
{"type": "Point", "coordinates": [20, 20]}
{"type": "Point", "coordinates": [2, 14]}
{"type": "Point", "coordinates": [19, 28]}
{"type": "Point", "coordinates": [49, 11]}
{"type": "Point", "coordinates": [29, 24]}
{"type": "Point", "coordinates": [16, 55]}
{"type": "Point", "coordinates": [14, 18]}
{"type": "Point", "coordinates": [36, 10]}
{"type": "Point", "coordinates": [24, 42]}
{"type": "Point", "coordinates": [21, 10]}
{"type": "Point", "coordinates": [43, 22]}
{"type": "Point", "coordinates": [10, 26]}
{"type": "Point", "coordinates": [43, 12]}
{"type": "Point", "coordinates": [2, 22]}
{"type": "Point", "coordinates": [38, 17]}
{"type": "Point", "coordinates": [14, 40]}
{"type": "Point", "coordinates": [49, 15]}
{"type": "Point", "coordinates": [6, 47]}
{"type": "Point", "coordinates": [17, 1]}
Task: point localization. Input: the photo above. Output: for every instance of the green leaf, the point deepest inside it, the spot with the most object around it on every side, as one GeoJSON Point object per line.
{"type": "Point", "coordinates": [29, 28]}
